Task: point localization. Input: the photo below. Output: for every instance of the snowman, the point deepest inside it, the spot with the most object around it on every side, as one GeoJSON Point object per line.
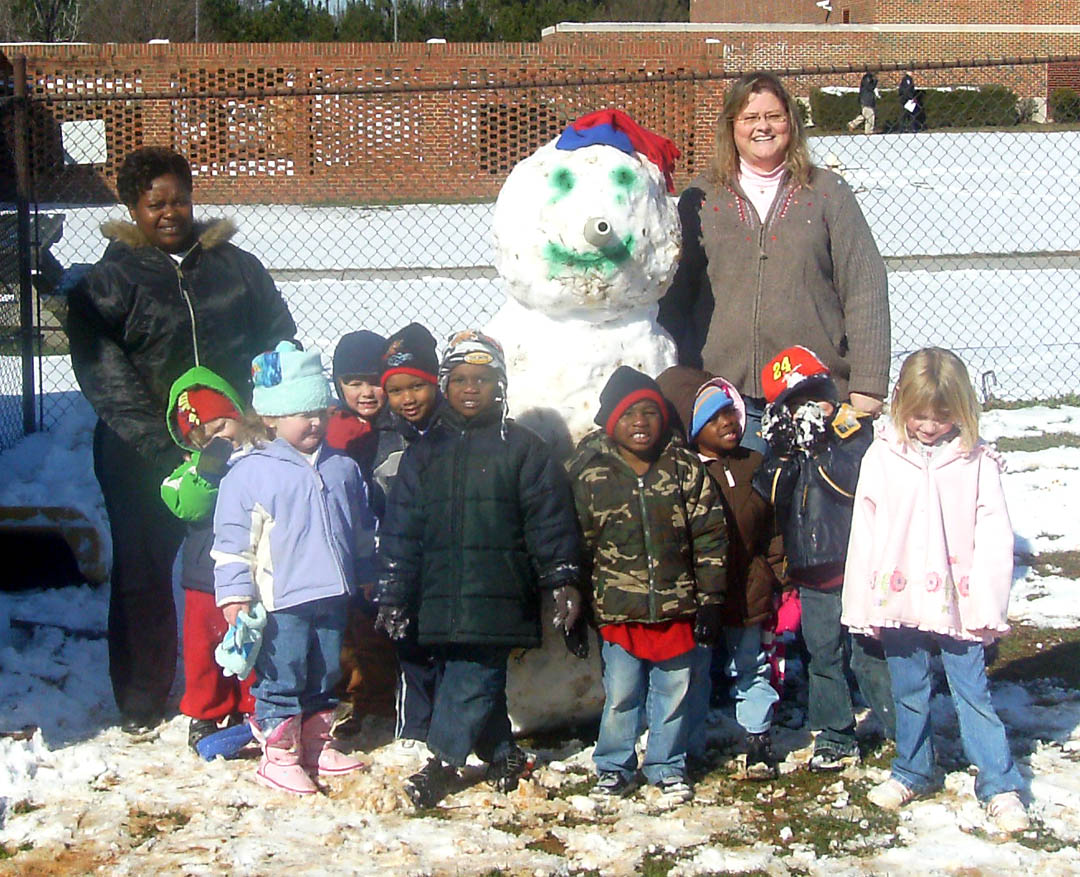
{"type": "Point", "coordinates": [586, 239]}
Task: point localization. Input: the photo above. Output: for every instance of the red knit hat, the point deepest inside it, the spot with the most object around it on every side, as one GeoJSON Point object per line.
{"type": "Point", "coordinates": [201, 405]}
{"type": "Point", "coordinates": [789, 370]}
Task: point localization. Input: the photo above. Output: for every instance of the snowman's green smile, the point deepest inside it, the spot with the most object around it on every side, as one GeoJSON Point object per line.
{"type": "Point", "coordinates": [605, 259]}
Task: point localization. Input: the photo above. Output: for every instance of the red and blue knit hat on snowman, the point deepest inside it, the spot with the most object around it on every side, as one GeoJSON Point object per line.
{"type": "Point", "coordinates": [614, 128]}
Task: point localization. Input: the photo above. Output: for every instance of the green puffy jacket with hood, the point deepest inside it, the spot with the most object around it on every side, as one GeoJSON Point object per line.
{"type": "Point", "coordinates": [188, 495]}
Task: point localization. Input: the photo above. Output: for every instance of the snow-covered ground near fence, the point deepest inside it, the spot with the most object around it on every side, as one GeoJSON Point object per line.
{"type": "Point", "coordinates": [79, 791]}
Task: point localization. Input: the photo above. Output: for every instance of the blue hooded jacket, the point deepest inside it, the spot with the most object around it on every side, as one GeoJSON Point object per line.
{"type": "Point", "coordinates": [287, 532]}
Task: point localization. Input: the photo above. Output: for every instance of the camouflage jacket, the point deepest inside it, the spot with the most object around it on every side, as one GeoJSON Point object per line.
{"type": "Point", "coordinates": [657, 544]}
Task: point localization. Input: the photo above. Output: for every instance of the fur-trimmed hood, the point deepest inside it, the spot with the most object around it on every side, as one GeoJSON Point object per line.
{"type": "Point", "coordinates": [209, 234]}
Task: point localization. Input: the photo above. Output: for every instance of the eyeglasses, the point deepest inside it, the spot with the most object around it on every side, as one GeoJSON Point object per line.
{"type": "Point", "coordinates": [777, 120]}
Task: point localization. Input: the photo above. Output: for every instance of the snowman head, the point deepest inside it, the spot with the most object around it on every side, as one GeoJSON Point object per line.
{"type": "Point", "coordinates": [586, 226]}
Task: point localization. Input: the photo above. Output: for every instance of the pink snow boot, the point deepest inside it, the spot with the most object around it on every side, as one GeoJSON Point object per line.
{"type": "Point", "coordinates": [318, 750]}
{"type": "Point", "coordinates": [280, 767]}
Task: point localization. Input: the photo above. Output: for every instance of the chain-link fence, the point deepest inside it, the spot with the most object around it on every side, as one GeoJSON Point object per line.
{"type": "Point", "coordinates": [973, 200]}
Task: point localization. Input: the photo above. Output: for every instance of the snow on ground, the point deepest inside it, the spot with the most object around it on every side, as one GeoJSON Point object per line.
{"type": "Point", "coordinates": [79, 795]}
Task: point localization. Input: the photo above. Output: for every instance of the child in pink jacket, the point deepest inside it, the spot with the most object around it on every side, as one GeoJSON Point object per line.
{"type": "Point", "coordinates": [929, 564]}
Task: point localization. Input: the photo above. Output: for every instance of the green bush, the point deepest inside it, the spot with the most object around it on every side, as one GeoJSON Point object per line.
{"type": "Point", "coordinates": [988, 106]}
{"type": "Point", "coordinates": [1064, 105]}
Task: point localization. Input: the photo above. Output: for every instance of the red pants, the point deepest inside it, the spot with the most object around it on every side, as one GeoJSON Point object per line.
{"type": "Point", "coordinates": [208, 693]}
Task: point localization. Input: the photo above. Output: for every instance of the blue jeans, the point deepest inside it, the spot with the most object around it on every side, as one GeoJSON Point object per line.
{"type": "Point", "coordinates": [299, 662]}
{"type": "Point", "coordinates": [751, 438]}
{"type": "Point", "coordinates": [634, 691]}
{"type": "Point", "coordinates": [981, 731]}
{"type": "Point", "coordinates": [470, 705]}
{"type": "Point", "coordinates": [831, 711]}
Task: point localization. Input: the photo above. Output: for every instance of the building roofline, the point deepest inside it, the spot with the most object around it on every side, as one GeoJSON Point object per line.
{"type": "Point", "coordinates": [675, 28]}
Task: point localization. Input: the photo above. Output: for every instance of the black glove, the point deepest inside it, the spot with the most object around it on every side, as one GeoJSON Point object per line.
{"type": "Point", "coordinates": [567, 607]}
{"type": "Point", "coordinates": [214, 459]}
{"type": "Point", "coordinates": [393, 620]}
{"type": "Point", "coordinates": [576, 639]}
{"type": "Point", "coordinates": [708, 625]}
{"type": "Point", "coordinates": [778, 430]}
{"type": "Point", "coordinates": [811, 427]}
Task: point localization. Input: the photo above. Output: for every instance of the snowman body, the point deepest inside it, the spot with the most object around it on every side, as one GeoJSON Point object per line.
{"type": "Point", "coordinates": [586, 242]}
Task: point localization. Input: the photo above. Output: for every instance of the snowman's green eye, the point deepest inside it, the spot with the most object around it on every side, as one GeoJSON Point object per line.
{"type": "Point", "coordinates": [623, 177]}
{"type": "Point", "coordinates": [562, 181]}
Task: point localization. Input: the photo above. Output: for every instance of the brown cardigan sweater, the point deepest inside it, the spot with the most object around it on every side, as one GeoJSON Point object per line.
{"type": "Point", "coordinates": [810, 274]}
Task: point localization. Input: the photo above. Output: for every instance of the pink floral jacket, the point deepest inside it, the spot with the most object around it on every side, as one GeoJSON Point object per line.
{"type": "Point", "coordinates": [931, 543]}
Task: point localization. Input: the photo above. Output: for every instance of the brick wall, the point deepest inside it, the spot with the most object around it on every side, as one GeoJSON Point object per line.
{"type": "Point", "coordinates": [890, 11]}
{"type": "Point", "coordinates": [445, 142]}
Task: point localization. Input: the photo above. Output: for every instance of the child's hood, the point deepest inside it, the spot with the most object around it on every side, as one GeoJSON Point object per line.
{"type": "Point", "coordinates": [199, 376]}
{"type": "Point", "coordinates": [681, 386]}
{"type": "Point", "coordinates": [885, 430]}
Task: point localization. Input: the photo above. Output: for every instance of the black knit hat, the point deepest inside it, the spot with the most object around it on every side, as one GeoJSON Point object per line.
{"type": "Point", "coordinates": [625, 387]}
{"type": "Point", "coordinates": [411, 351]}
{"type": "Point", "coordinates": [359, 353]}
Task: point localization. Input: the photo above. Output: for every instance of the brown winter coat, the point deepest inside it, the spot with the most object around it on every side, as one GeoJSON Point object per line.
{"type": "Point", "coordinates": [755, 558]}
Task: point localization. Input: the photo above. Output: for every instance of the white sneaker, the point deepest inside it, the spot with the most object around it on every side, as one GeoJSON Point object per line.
{"type": "Point", "coordinates": [890, 795]}
{"type": "Point", "coordinates": [1006, 812]}
{"type": "Point", "coordinates": [674, 790]}
{"type": "Point", "coordinates": [405, 752]}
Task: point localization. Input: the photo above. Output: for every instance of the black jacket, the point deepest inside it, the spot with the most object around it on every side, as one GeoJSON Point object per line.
{"type": "Point", "coordinates": [813, 497]}
{"type": "Point", "coordinates": [381, 456]}
{"type": "Point", "coordinates": [906, 90]}
{"type": "Point", "coordinates": [476, 524]}
{"type": "Point", "coordinates": [867, 94]}
{"type": "Point", "coordinates": [138, 321]}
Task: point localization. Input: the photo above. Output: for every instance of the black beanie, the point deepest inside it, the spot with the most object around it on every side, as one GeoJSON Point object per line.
{"type": "Point", "coordinates": [625, 387]}
{"type": "Point", "coordinates": [411, 351]}
{"type": "Point", "coordinates": [359, 353]}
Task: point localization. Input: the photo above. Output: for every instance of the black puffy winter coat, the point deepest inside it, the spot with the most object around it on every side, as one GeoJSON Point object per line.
{"type": "Point", "coordinates": [813, 497]}
{"type": "Point", "coordinates": [475, 525]}
{"type": "Point", "coordinates": [138, 320]}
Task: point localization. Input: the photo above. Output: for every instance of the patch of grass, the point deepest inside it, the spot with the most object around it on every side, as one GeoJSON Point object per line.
{"type": "Point", "coordinates": [568, 790]}
{"type": "Point", "coordinates": [143, 825]}
{"type": "Point", "coordinates": [25, 806]}
{"type": "Point", "coordinates": [1039, 442]}
{"type": "Point", "coordinates": [656, 865]}
{"type": "Point", "coordinates": [548, 844]}
{"type": "Point", "coordinates": [1049, 402]}
{"type": "Point", "coordinates": [1054, 563]}
{"type": "Point", "coordinates": [1039, 838]}
{"type": "Point", "coordinates": [10, 852]}
{"type": "Point", "coordinates": [1029, 653]}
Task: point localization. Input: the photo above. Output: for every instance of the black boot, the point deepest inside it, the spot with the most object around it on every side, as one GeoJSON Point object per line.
{"type": "Point", "coordinates": [504, 773]}
{"type": "Point", "coordinates": [430, 784]}
{"type": "Point", "coordinates": [760, 761]}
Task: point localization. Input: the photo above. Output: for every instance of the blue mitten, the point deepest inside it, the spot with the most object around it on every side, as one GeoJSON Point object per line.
{"type": "Point", "coordinates": [237, 651]}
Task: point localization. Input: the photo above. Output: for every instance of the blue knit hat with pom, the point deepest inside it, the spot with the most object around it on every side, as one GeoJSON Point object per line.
{"type": "Point", "coordinates": [289, 380]}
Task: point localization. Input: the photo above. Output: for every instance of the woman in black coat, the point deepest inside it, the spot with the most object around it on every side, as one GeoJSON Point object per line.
{"type": "Point", "coordinates": [168, 294]}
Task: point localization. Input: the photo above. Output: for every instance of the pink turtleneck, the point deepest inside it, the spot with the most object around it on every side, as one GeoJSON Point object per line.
{"type": "Point", "coordinates": [760, 187]}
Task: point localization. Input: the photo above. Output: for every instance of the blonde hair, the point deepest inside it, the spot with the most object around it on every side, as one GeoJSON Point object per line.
{"type": "Point", "coordinates": [725, 163]}
{"type": "Point", "coordinates": [252, 431]}
{"type": "Point", "coordinates": [936, 380]}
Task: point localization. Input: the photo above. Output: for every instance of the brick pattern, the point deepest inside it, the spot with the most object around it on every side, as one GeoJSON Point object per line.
{"type": "Point", "coordinates": [889, 11]}
{"type": "Point", "coordinates": [453, 137]}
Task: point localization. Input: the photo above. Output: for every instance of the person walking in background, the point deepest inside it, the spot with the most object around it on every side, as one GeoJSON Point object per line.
{"type": "Point", "coordinates": [929, 568]}
{"type": "Point", "coordinates": [867, 104]}
{"type": "Point", "coordinates": [290, 531]}
{"type": "Point", "coordinates": [908, 103]}
{"type": "Point", "coordinates": [776, 252]}
{"type": "Point", "coordinates": [170, 293]}
{"type": "Point", "coordinates": [816, 445]}
{"type": "Point", "coordinates": [655, 537]}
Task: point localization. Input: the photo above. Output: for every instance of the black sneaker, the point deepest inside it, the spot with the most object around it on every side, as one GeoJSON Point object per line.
{"type": "Point", "coordinates": [612, 784]}
{"type": "Point", "coordinates": [674, 790]}
{"type": "Point", "coordinates": [827, 759]}
{"type": "Point", "coordinates": [200, 729]}
{"type": "Point", "coordinates": [138, 724]}
{"type": "Point", "coordinates": [430, 784]}
{"type": "Point", "coordinates": [504, 773]}
{"type": "Point", "coordinates": [760, 761]}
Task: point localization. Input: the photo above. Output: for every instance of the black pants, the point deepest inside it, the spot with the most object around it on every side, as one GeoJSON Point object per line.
{"type": "Point", "coordinates": [145, 537]}
{"type": "Point", "coordinates": [419, 674]}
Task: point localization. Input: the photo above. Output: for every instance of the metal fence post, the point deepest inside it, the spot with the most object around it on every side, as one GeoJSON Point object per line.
{"type": "Point", "coordinates": [22, 198]}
